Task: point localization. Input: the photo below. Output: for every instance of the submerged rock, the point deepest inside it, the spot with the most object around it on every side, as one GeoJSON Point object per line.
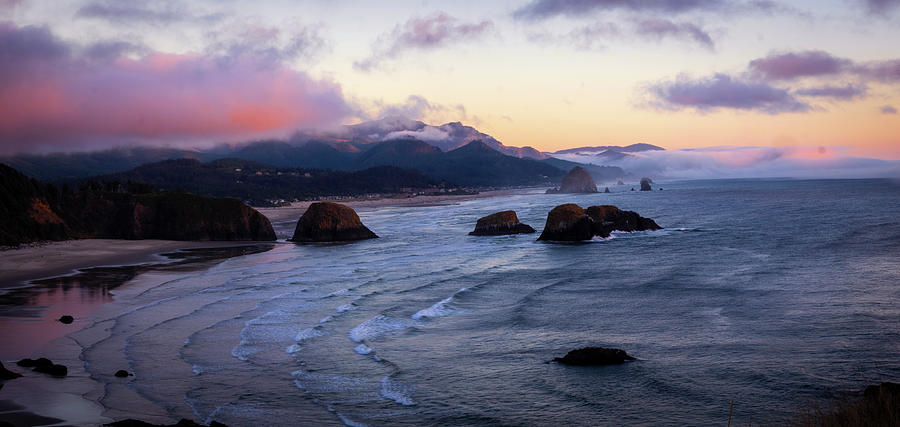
{"type": "Point", "coordinates": [567, 223]}
{"type": "Point", "coordinates": [66, 319]}
{"type": "Point", "coordinates": [594, 356]}
{"type": "Point", "coordinates": [570, 222]}
{"type": "Point", "coordinates": [6, 374]}
{"type": "Point", "coordinates": [121, 373]}
{"type": "Point", "coordinates": [645, 184]}
{"type": "Point", "coordinates": [500, 223]}
{"type": "Point", "coordinates": [330, 222]}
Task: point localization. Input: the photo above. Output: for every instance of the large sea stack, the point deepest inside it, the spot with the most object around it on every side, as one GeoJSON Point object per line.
{"type": "Point", "coordinates": [645, 184]}
{"type": "Point", "coordinates": [578, 180]}
{"type": "Point", "coordinates": [569, 222]}
{"type": "Point", "coordinates": [608, 218]}
{"type": "Point", "coordinates": [330, 222]}
{"type": "Point", "coordinates": [500, 223]}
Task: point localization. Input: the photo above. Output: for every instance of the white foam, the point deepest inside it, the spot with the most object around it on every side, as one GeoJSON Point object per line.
{"type": "Point", "coordinates": [396, 391]}
{"type": "Point", "coordinates": [293, 348]}
{"type": "Point", "coordinates": [378, 326]}
{"type": "Point", "coordinates": [363, 349]}
{"type": "Point", "coordinates": [308, 333]}
{"type": "Point", "coordinates": [439, 309]}
{"type": "Point", "coordinates": [349, 422]}
{"type": "Point", "coordinates": [346, 307]}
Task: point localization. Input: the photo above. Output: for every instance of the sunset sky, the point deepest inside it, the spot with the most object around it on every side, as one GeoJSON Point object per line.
{"type": "Point", "coordinates": [550, 74]}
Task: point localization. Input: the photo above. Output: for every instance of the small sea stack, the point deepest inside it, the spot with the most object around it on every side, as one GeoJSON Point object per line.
{"type": "Point", "coordinates": [330, 222]}
{"type": "Point", "coordinates": [594, 356]}
{"type": "Point", "coordinates": [66, 320]}
{"type": "Point", "coordinates": [500, 223]}
{"type": "Point", "coordinates": [645, 184]}
{"type": "Point", "coordinates": [570, 222]}
{"type": "Point", "coordinates": [578, 180]}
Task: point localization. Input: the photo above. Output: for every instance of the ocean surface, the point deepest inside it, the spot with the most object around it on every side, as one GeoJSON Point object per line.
{"type": "Point", "coordinates": [768, 293]}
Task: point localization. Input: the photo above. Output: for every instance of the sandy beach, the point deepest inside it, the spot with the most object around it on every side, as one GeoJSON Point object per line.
{"type": "Point", "coordinates": [51, 259]}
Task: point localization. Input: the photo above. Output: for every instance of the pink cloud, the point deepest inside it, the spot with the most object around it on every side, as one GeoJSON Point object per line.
{"type": "Point", "coordinates": [52, 97]}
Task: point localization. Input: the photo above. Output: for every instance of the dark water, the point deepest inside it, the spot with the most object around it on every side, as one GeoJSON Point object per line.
{"type": "Point", "coordinates": [770, 293]}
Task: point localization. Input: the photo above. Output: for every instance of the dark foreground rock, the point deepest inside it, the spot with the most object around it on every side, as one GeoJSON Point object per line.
{"type": "Point", "coordinates": [594, 356]}
{"type": "Point", "coordinates": [121, 373]}
{"type": "Point", "coordinates": [330, 222]}
{"type": "Point", "coordinates": [6, 374]}
{"type": "Point", "coordinates": [66, 319]}
{"type": "Point", "coordinates": [569, 222]}
{"type": "Point", "coordinates": [500, 223]}
{"type": "Point", "coordinates": [578, 180]}
{"type": "Point", "coordinates": [183, 423]}
{"type": "Point", "coordinates": [44, 366]}
{"type": "Point", "coordinates": [608, 218]}
{"type": "Point", "coordinates": [645, 184]}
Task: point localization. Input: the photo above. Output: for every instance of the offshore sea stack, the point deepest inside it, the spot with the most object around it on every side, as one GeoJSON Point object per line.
{"type": "Point", "coordinates": [594, 356]}
{"type": "Point", "coordinates": [330, 222]}
{"type": "Point", "coordinates": [571, 223]}
{"type": "Point", "coordinates": [645, 184]}
{"type": "Point", "coordinates": [500, 223]}
{"type": "Point", "coordinates": [578, 180]}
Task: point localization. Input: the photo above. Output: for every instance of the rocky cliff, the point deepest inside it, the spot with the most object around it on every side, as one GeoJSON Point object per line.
{"type": "Point", "coordinates": [31, 211]}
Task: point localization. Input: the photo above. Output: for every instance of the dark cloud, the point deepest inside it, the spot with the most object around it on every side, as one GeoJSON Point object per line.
{"type": "Point", "coordinates": [422, 34]}
{"type": "Point", "coordinates": [887, 109]}
{"type": "Point", "coordinates": [65, 99]}
{"type": "Point", "coordinates": [663, 28]}
{"type": "Point", "coordinates": [540, 9]}
{"type": "Point", "coordinates": [155, 12]}
{"type": "Point", "coordinates": [112, 49]}
{"type": "Point", "coordinates": [267, 44]}
{"type": "Point", "coordinates": [792, 65]}
{"type": "Point", "coordinates": [881, 6]}
{"type": "Point", "coordinates": [723, 91]}
{"type": "Point", "coordinates": [844, 93]}
{"type": "Point", "coordinates": [887, 71]}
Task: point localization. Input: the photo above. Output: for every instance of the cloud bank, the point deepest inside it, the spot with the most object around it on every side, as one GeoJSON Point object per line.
{"type": "Point", "coordinates": [57, 96]}
{"type": "Point", "coordinates": [749, 162]}
{"type": "Point", "coordinates": [421, 34]}
{"type": "Point", "coordinates": [722, 91]}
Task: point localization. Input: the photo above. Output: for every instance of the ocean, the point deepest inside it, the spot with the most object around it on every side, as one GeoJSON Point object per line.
{"type": "Point", "coordinates": [763, 294]}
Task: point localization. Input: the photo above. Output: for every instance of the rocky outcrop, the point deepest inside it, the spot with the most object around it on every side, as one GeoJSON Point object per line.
{"type": "Point", "coordinates": [182, 423]}
{"type": "Point", "coordinates": [567, 223]}
{"type": "Point", "coordinates": [594, 356]}
{"type": "Point", "coordinates": [330, 222]}
{"type": "Point", "coordinates": [608, 218]}
{"type": "Point", "coordinates": [570, 222]}
{"type": "Point", "coordinates": [121, 373]}
{"type": "Point", "coordinates": [645, 184]}
{"type": "Point", "coordinates": [500, 223]}
{"type": "Point", "coordinates": [66, 320]}
{"type": "Point", "coordinates": [44, 366]}
{"type": "Point", "coordinates": [6, 374]}
{"type": "Point", "coordinates": [578, 180]}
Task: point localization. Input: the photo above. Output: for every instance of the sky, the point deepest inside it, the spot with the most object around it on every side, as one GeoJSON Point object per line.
{"type": "Point", "coordinates": [552, 74]}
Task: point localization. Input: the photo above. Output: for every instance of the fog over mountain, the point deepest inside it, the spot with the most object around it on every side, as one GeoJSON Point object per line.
{"type": "Point", "coordinates": [743, 162]}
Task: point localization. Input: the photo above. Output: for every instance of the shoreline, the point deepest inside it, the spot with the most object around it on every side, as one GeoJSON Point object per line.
{"type": "Point", "coordinates": [45, 260]}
